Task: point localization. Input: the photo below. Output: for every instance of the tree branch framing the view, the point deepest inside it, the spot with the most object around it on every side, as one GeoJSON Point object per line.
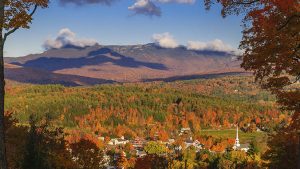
{"type": "Point", "coordinates": [271, 41]}
{"type": "Point", "coordinates": [14, 14]}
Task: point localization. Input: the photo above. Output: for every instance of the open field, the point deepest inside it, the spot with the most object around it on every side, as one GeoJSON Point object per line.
{"type": "Point", "coordinates": [231, 133]}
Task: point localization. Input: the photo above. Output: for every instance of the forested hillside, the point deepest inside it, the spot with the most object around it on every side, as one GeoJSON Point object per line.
{"type": "Point", "coordinates": [132, 121]}
{"type": "Point", "coordinates": [129, 108]}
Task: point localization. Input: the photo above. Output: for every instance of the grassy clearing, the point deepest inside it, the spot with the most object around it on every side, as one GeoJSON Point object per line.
{"type": "Point", "coordinates": [231, 133]}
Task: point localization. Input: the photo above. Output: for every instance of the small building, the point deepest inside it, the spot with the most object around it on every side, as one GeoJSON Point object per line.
{"type": "Point", "coordinates": [101, 138]}
{"type": "Point", "coordinates": [138, 143]}
{"type": "Point", "coordinates": [195, 143]}
{"type": "Point", "coordinates": [244, 147]}
{"type": "Point", "coordinates": [185, 131]}
{"type": "Point", "coordinates": [189, 142]}
{"type": "Point", "coordinates": [118, 141]}
{"type": "Point", "coordinates": [177, 148]}
{"type": "Point", "coordinates": [140, 153]}
{"type": "Point", "coordinates": [171, 141]}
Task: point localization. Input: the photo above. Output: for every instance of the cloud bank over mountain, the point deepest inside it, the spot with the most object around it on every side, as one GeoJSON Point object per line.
{"type": "Point", "coordinates": [215, 45]}
{"type": "Point", "coordinates": [67, 37]}
{"type": "Point", "coordinates": [165, 40]}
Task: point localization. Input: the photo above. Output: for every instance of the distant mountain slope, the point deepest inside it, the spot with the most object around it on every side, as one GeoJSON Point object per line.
{"type": "Point", "coordinates": [120, 64]}
{"type": "Point", "coordinates": [36, 76]}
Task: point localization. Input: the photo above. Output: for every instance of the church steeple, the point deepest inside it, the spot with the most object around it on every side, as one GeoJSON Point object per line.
{"type": "Point", "coordinates": [237, 141]}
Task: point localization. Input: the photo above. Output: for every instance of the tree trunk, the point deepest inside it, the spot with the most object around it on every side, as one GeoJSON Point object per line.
{"type": "Point", "coordinates": [298, 166]}
{"type": "Point", "coordinates": [3, 162]}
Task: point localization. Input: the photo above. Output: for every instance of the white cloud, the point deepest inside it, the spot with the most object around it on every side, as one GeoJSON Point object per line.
{"type": "Point", "coordinates": [215, 45]}
{"type": "Point", "coordinates": [177, 1]}
{"type": "Point", "coordinates": [67, 37]}
{"type": "Point", "coordinates": [145, 7]}
{"type": "Point", "coordinates": [165, 40]}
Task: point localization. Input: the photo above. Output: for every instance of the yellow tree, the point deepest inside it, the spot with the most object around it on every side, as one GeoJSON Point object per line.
{"type": "Point", "coordinates": [14, 14]}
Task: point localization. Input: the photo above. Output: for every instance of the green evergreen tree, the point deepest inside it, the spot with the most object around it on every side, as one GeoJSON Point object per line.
{"type": "Point", "coordinates": [34, 157]}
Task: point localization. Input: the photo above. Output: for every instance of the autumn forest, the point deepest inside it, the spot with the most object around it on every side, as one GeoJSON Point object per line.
{"type": "Point", "coordinates": [216, 86]}
{"type": "Point", "coordinates": [156, 111]}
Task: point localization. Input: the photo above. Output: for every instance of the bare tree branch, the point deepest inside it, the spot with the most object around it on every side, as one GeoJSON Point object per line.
{"type": "Point", "coordinates": [288, 21]}
{"type": "Point", "coordinates": [246, 3]}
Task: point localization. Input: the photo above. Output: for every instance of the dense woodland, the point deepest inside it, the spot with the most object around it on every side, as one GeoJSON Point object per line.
{"type": "Point", "coordinates": [270, 47]}
{"type": "Point", "coordinates": [75, 117]}
{"type": "Point", "coordinates": [199, 104]}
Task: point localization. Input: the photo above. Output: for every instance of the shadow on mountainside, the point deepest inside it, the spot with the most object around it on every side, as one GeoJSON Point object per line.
{"type": "Point", "coordinates": [97, 57]}
{"type": "Point", "coordinates": [35, 76]}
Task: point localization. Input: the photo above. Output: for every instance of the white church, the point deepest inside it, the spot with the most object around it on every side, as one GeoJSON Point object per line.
{"type": "Point", "coordinates": [237, 145]}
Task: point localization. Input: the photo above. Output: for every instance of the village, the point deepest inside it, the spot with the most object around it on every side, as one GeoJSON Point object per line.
{"type": "Point", "coordinates": [123, 148]}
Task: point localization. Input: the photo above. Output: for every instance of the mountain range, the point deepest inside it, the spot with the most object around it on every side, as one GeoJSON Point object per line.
{"type": "Point", "coordinates": [73, 66]}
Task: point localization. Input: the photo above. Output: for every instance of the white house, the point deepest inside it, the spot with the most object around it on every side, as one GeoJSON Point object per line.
{"type": "Point", "coordinates": [101, 138]}
{"type": "Point", "coordinates": [194, 143]}
{"type": "Point", "coordinates": [171, 141]}
{"type": "Point", "coordinates": [118, 141]}
{"type": "Point", "coordinates": [184, 131]}
{"type": "Point", "coordinates": [140, 153]}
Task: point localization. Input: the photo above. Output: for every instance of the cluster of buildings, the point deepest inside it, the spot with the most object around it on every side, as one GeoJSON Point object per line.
{"type": "Point", "coordinates": [139, 143]}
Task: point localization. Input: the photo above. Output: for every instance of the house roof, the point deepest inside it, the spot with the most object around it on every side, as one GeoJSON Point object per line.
{"type": "Point", "coordinates": [244, 145]}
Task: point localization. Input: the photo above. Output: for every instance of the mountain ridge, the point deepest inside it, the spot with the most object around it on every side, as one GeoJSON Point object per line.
{"type": "Point", "coordinates": [126, 63]}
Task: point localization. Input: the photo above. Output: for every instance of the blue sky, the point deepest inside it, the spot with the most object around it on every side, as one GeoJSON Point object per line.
{"type": "Point", "coordinates": [115, 24]}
